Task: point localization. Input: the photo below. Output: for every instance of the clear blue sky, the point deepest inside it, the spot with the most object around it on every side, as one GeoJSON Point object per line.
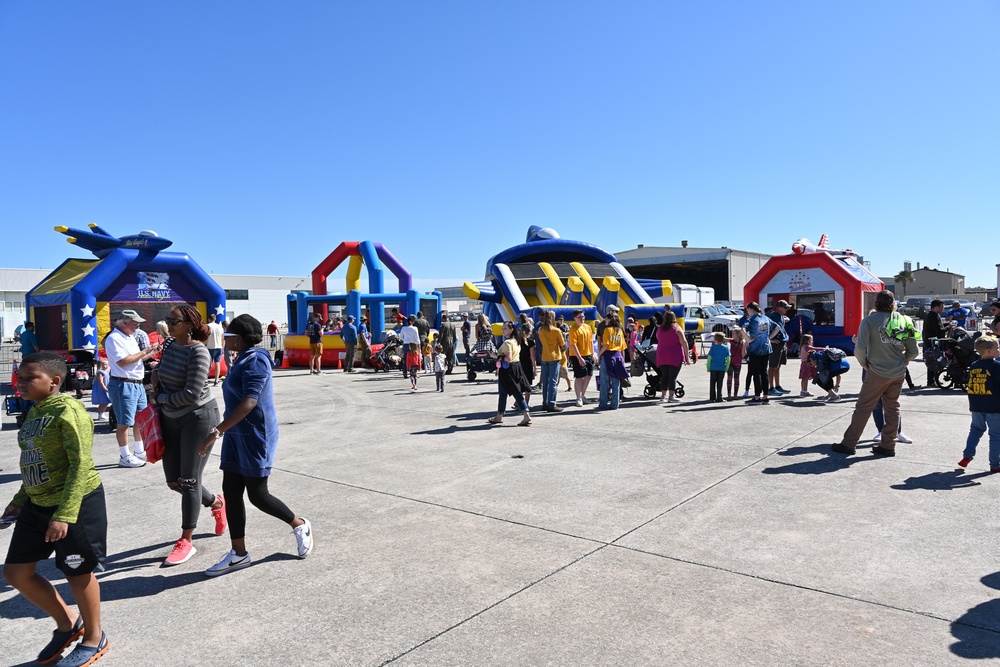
{"type": "Point", "coordinates": [258, 135]}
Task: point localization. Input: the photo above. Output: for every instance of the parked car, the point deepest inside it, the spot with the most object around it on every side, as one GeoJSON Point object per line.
{"type": "Point", "coordinates": [713, 318]}
{"type": "Point", "coordinates": [917, 306]}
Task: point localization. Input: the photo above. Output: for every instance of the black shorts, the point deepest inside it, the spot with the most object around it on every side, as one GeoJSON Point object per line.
{"type": "Point", "coordinates": [586, 369]}
{"type": "Point", "coordinates": [779, 357]}
{"type": "Point", "coordinates": [80, 552]}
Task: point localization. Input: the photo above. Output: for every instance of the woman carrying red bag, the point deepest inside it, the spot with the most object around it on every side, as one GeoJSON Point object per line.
{"type": "Point", "coordinates": [188, 413]}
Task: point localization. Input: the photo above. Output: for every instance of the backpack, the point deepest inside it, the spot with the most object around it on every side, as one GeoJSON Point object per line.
{"type": "Point", "coordinates": [900, 327]}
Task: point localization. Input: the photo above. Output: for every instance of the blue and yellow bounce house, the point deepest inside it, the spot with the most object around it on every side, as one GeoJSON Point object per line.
{"type": "Point", "coordinates": [547, 272]}
{"type": "Point", "coordinates": [74, 307]}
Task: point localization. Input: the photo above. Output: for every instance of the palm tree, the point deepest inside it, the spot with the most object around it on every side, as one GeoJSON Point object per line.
{"type": "Point", "coordinates": [903, 278]}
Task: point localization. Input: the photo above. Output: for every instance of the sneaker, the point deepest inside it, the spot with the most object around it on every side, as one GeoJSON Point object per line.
{"type": "Point", "coordinates": [130, 461]}
{"type": "Point", "coordinates": [183, 550]}
{"type": "Point", "coordinates": [303, 538]}
{"type": "Point", "coordinates": [833, 399]}
{"type": "Point", "coordinates": [805, 393]}
{"type": "Point", "coordinates": [903, 439]}
{"type": "Point", "coordinates": [746, 393]}
{"type": "Point", "coordinates": [81, 656]}
{"type": "Point", "coordinates": [229, 563]}
{"type": "Point", "coordinates": [579, 402]}
{"type": "Point", "coordinates": [220, 516]}
{"type": "Point", "coordinates": [140, 455]}
{"type": "Point", "coordinates": [673, 400]}
{"type": "Point", "coordinates": [782, 389]}
{"type": "Point", "coordinates": [774, 392]}
{"type": "Point", "coordinates": [878, 450]}
{"type": "Point", "coordinates": [60, 640]}
{"type": "Point", "coordinates": [964, 463]}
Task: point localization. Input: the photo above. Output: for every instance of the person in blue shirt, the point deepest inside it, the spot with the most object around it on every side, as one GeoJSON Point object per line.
{"type": "Point", "coordinates": [760, 329]}
{"type": "Point", "coordinates": [984, 402]}
{"type": "Point", "coordinates": [251, 439]}
{"type": "Point", "coordinates": [718, 364]}
{"type": "Point", "coordinates": [957, 314]}
{"type": "Point", "coordinates": [779, 355]}
{"type": "Point", "coordinates": [29, 341]}
{"type": "Point", "coordinates": [349, 334]}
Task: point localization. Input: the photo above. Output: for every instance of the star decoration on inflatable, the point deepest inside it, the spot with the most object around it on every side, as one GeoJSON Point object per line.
{"type": "Point", "coordinates": [88, 330]}
{"type": "Point", "coordinates": [220, 310]}
{"type": "Point", "coordinates": [89, 346]}
{"type": "Point", "coordinates": [87, 310]}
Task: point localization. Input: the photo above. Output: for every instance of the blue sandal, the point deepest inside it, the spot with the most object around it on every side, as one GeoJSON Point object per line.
{"type": "Point", "coordinates": [82, 656]}
{"type": "Point", "coordinates": [60, 640]}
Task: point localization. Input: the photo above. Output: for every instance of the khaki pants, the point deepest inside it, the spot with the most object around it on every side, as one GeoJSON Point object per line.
{"type": "Point", "coordinates": [875, 387]}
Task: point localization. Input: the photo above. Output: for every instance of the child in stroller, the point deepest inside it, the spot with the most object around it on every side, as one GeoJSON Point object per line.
{"type": "Point", "coordinates": [482, 357]}
{"type": "Point", "coordinates": [390, 357]}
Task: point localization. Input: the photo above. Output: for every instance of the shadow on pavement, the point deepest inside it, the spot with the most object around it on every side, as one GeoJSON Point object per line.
{"type": "Point", "coordinates": [941, 481]}
{"type": "Point", "coordinates": [831, 463]}
{"type": "Point", "coordinates": [978, 630]}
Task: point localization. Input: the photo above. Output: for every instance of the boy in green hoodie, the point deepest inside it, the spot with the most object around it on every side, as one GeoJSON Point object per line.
{"type": "Point", "coordinates": [59, 508]}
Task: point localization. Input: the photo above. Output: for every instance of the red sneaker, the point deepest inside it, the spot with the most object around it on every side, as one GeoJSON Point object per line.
{"type": "Point", "coordinates": [965, 462]}
{"type": "Point", "coordinates": [183, 550]}
{"type": "Point", "coordinates": [220, 516]}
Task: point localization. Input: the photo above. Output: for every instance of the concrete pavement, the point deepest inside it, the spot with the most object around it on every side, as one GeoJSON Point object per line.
{"type": "Point", "coordinates": [690, 534]}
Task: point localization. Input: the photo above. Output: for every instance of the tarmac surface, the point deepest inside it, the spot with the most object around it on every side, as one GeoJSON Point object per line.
{"type": "Point", "coordinates": [688, 534]}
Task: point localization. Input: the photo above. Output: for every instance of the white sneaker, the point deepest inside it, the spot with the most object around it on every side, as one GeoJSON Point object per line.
{"type": "Point", "coordinates": [903, 439]}
{"type": "Point", "coordinates": [833, 399]}
{"type": "Point", "coordinates": [229, 563]}
{"type": "Point", "coordinates": [303, 538]}
{"type": "Point", "coordinates": [673, 400]}
{"type": "Point", "coordinates": [140, 455]}
{"type": "Point", "coordinates": [877, 438]}
{"type": "Point", "coordinates": [805, 393]}
{"type": "Point", "coordinates": [579, 402]}
{"type": "Point", "coordinates": [130, 462]}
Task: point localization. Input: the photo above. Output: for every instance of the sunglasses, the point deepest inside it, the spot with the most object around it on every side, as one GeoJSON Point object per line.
{"type": "Point", "coordinates": [174, 320]}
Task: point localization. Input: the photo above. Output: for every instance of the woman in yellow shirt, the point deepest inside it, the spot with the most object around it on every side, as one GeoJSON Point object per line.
{"type": "Point", "coordinates": [553, 343]}
{"type": "Point", "coordinates": [610, 351]}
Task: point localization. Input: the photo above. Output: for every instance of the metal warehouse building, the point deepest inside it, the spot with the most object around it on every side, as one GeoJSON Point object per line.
{"type": "Point", "coordinates": [723, 269]}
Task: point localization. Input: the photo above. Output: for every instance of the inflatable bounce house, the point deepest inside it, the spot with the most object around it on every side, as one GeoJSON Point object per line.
{"type": "Point", "coordinates": [547, 272]}
{"type": "Point", "coordinates": [375, 259]}
{"type": "Point", "coordinates": [74, 307]}
{"type": "Point", "coordinates": [837, 288]}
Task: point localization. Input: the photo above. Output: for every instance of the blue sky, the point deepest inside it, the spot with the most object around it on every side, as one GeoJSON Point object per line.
{"type": "Point", "coordinates": [258, 135]}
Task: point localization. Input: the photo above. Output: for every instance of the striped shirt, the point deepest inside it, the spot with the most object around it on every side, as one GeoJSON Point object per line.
{"type": "Point", "coordinates": [183, 377]}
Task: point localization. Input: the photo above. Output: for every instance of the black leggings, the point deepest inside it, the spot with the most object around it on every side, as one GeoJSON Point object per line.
{"type": "Point", "coordinates": [757, 370]}
{"type": "Point", "coordinates": [183, 464]}
{"type": "Point", "coordinates": [233, 485]}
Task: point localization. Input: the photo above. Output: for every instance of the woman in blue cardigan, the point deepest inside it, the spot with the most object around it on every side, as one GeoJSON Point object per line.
{"type": "Point", "coordinates": [251, 429]}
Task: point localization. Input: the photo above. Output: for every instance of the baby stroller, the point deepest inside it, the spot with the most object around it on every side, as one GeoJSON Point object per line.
{"type": "Point", "coordinates": [645, 362]}
{"type": "Point", "coordinates": [81, 366]}
{"type": "Point", "coordinates": [956, 354]}
{"type": "Point", "coordinates": [480, 359]}
{"type": "Point", "coordinates": [389, 358]}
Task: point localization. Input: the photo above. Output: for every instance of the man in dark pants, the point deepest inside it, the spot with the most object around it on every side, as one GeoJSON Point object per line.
{"type": "Point", "coordinates": [448, 336]}
{"type": "Point", "coordinates": [933, 328]}
{"type": "Point", "coordinates": [349, 334]}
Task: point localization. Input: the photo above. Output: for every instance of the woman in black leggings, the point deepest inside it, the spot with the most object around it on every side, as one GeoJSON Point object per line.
{"type": "Point", "coordinates": [251, 428]}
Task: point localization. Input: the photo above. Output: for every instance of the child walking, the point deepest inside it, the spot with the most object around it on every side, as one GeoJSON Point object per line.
{"type": "Point", "coordinates": [428, 352]}
{"type": "Point", "coordinates": [99, 392]}
{"type": "Point", "coordinates": [718, 364]}
{"type": "Point", "coordinates": [737, 350]}
{"type": "Point", "coordinates": [59, 508]}
{"type": "Point", "coordinates": [807, 368]}
{"type": "Point", "coordinates": [440, 365]}
{"type": "Point", "coordinates": [984, 402]}
{"type": "Point", "coordinates": [413, 364]}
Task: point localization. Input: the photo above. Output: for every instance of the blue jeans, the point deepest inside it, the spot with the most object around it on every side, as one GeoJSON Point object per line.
{"type": "Point", "coordinates": [550, 382]}
{"type": "Point", "coordinates": [980, 422]}
{"type": "Point", "coordinates": [127, 398]}
{"type": "Point", "coordinates": [608, 383]}
{"type": "Point", "coordinates": [502, 403]}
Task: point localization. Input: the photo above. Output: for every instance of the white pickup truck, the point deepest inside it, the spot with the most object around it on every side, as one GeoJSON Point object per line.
{"type": "Point", "coordinates": [713, 318]}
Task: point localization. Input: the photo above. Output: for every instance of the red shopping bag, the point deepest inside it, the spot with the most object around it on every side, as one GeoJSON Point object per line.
{"type": "Point", "coordinates": [148, 421]}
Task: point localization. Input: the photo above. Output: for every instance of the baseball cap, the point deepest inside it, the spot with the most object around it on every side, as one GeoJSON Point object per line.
{"type": "Point", "coordinates": [612, 309]}
{"type": "Point", "coordinates": [130, 314]}
{"type": "Point", "coordinates": [781, 304]}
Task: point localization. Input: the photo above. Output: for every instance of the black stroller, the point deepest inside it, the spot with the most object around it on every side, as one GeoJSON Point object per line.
{"type": "Point", "coordinates": [480, 359]}
{"type": "Point", "coordinates": [81, 365]}
{"type": "Point", "coordinates": [390, 357]}
{"type": "Point", "coordinates": [644, 361]}
{"type": "Point", "coordinates": [955, 354]}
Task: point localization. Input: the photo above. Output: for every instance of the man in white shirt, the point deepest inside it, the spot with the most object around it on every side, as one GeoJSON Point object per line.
{"type": "Point", "coordinates": [215, 344]}
{"type": "Point", "coordinates": [125, 388]}
{"type": "Point", "coordinates": [410, 334]}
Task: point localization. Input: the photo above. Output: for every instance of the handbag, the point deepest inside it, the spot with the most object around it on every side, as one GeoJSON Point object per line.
{"type": "Point", "coordinates": [148, 421]}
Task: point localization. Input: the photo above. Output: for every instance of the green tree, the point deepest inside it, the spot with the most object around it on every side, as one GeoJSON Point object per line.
{"type": "Point", "coordinates": [903, 278]}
